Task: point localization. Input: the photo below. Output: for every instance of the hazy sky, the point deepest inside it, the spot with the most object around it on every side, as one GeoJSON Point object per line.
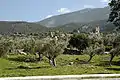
{"type": "Point", "coordinates": [36, 10]}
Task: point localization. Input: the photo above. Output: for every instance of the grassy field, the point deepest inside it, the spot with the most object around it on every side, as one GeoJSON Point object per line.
{"type": "Point", "coordinates": [20, 65]}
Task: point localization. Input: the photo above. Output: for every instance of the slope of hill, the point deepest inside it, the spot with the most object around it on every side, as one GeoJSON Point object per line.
{"type": "Point", "coordinates": [7, 27]}
{"type": "Point", "coordinates": [86, 27]}
{"type": "Point", "coordinates": [82, 16]}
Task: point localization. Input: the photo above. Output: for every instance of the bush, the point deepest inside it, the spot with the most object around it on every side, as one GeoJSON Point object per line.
{"type": "Point", "coordinates": [5, 46]}
{"type": "Point", "coordinates": [80, 41]}
{"type": "Point", "coordinates": [108, 48]}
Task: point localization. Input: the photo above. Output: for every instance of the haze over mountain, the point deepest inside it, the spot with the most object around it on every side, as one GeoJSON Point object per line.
{"type": "Point", "coordinates": [83, 16]}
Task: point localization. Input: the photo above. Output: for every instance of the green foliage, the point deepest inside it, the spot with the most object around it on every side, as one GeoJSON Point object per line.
{"type": "Point", "coordinates": [108, 48]}
{"type": "Point", "coordinates": [80, 41]}
{"type": "Point", "coordinates": [52, 47]}
{"type": "Point", "coordinates": [51, 50]}
{"type": "Point", "coordinates": [109, 39]}
{"type": "Point", "coordinates": [5, 46]}
{"type": "Point", "coordinates": [116, 48]}
{"type": "Point", "coordinates": [93, 50]}
{"type": "Point", "coordinates": [28, 45]}
{"type": "Point", "coordinates": [114, 52]}
{"type": "Point", "coordinates": [115, 13]}
{"type": "Point", "coordinates": [38, 46]}
{"type": "Point", "coordinates": [116, 42]}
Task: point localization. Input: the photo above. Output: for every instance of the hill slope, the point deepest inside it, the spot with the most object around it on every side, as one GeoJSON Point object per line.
{"type": "Point", "coordinates": [7, 27]}
{"type": "Point", "coordinates": [86, 27]}
{"type": "Point", "coordinates": [82, 16]}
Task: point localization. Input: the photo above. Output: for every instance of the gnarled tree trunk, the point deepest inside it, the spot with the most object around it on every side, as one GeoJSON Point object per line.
{"type": "Point", "coordinates": [90, 58]}
{"type": "Point", "coordinates": [111, 58]}
{"type": "Point", "coordinates": [40, 56]}
{"type": "Point", "coordinates": [52, 62]}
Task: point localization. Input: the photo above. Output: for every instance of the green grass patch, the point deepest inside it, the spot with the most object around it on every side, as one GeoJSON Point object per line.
{"type": "Point", "coordinates": [20, 65]}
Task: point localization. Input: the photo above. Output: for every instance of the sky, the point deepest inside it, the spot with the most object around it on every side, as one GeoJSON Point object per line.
{"type": "Point", "coordinates": [36, 10]}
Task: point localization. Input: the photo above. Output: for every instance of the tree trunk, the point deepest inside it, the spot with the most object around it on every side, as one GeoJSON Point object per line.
{"type": "Point", "coordinates": [52, 62]}
{"type": "Point", "coordinates": [112, 56]}
{"type": "Point", "coordinates": [40, 56]}
{"type": "Point", "coordinates": [90, 59]}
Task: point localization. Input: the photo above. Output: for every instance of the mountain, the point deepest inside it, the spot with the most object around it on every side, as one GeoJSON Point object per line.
{"type": "Point", "coordinates": [82, 16]}
{"type": "Point", "coordinates": [88, 26]}
{"type": "Point", "coordinates": [7, 27]}
{"type": "Point", "coordinates": [83, 20]}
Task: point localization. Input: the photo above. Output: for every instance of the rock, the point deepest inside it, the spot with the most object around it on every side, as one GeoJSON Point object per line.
{"type": "Point", "coordinates": [21, 52]}
{"type": "Point", "coordinates": [71, 63]}
{"type": "Point", "coordinates": [77, 59]}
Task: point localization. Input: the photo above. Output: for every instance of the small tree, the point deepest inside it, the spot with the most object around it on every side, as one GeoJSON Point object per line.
{"type": "Point", "coordinates": [116, 49]}
{"type": "Point", "coordinates": [113, 53]}
{"type": "Point", "coordinates": [93, 50]}
{"type": "Point", "coordinates": [38, 48]}
{"type": "Point", "coordinates": [51, 50]}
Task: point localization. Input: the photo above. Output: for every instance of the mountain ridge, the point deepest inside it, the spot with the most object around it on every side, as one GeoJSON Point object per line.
{"type": "Point", "coordinates": [81, 16]}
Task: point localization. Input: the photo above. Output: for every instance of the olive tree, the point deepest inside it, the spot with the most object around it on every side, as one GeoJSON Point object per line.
{"type": "Point", "coordinates": [93, 50]}
{"type": "Point", "coordinates": [116, 48]}
{"type": "Point", "coordinates": [51, 50]}
{"type": "Point", "coordinates": [113, 53]}
{"type": "Point", "coordinates": [38, 48]}
{"type": "Point", "coordinates": [114, 17]}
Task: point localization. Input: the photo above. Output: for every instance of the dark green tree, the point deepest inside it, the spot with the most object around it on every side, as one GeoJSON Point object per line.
{"type": "Point", "coordinates": [114, 15]}
{"type": "Point", "coordinates": [80, 41]}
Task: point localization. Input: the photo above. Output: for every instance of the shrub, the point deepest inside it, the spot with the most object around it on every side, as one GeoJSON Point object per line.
{"type": "Point", "coordinates": [80, 41]}
{"type": "Point", "coordinates": [5, 46]}
{"type": "Point", "coordinates": [108, 48]}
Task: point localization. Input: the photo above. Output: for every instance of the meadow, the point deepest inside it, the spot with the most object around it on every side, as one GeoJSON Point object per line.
{"type": "Point", "coordinates": [21, 65]}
